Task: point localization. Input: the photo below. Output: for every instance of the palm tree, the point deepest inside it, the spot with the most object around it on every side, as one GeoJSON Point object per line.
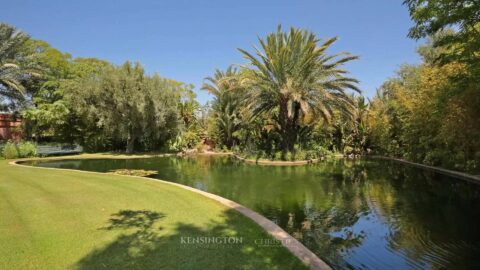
{"type": "Point", "coordinates": [293, 77]}
{"type": "Point", "coordinates": [360, 132]}
{"type": "Point", "coordinates": [225, 86]}
{"type": "Point", "coordinates": [11, 72]}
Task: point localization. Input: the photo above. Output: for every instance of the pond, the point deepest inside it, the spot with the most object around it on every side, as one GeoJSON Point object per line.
{"type": "Point", "coordinates": [361, 214]}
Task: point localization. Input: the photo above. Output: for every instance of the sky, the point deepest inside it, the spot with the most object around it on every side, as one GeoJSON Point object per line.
{"type": "Point", "coordinates": [188, 40]}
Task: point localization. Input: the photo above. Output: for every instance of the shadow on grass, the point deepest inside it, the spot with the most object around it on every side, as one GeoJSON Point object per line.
{"type": "Point", "coordinates": [143, 244]}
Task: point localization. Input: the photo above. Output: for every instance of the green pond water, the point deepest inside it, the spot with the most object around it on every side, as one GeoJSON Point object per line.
{"type": "Point", "coordinates": [362, 214]}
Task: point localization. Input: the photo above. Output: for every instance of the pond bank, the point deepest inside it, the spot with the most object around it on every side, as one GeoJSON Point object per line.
{"type": "Point", "coordinates": [464, 176]}
{"type": "Point", "coordinates": [290, 243]}
{"type": "Point", "coordinates": [314, 202]}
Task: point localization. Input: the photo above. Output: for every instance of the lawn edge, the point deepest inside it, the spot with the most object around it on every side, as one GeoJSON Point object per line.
{"type": "Point", "coordinates": [289, 242]}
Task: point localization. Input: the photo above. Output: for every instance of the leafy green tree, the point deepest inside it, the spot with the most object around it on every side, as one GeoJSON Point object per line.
{"type": "Point", "coordinates": [49, 116]}
{"type": "Point", "coordinates": [124, 107]}
{"type": "Point", "coordinates": [421, 116]}
{"type": "Point", "coordinates": [294, 79]}
{"type": "Point", "coordinates": [435, 16]}
{"type": "Point", "coordinates": [47, 111]}
{"type": "Point", "coordinates": [431, 16]}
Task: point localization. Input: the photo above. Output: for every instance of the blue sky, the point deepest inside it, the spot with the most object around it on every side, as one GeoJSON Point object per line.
{"type": "Point", "coordinates": [187, 40]}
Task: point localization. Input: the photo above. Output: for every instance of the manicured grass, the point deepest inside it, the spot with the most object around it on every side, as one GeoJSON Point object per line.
{"type": "Point", "coordinates": [52, 219]}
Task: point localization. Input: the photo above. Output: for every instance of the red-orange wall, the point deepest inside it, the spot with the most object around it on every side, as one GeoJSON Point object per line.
{"type": "Point", "coordinates": [8, 130]}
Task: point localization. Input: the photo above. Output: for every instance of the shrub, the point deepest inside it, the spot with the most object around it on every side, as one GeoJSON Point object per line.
{"type": "Point", "coordinates": [308, 155]}
{"type": "Point", "coordinates": [260, 154]}
{"type": "Point", "coordinates": [10, 151]}
{"type": "Point", "coordinates": [311, 154]}
{"type": "Point", "coordinates": [27, 149]}
{"type": "Point", "coordinates": [200, 147]}
{"type": "Point", "coordinates": [322, 152]}
{"type": "Point", "coordinates": [278, 155]}
{"type": "Point", "coordinates": [19, 150]}
{"type": "Point", "coordinates": [348, 150]}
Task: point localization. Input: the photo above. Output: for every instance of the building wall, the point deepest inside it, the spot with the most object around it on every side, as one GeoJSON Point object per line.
{"type": "Point", "coordinates": [9, 127]}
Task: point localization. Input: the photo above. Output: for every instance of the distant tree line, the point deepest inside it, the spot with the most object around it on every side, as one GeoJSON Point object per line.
{"type": "Point", "coordinates": [290, 100]}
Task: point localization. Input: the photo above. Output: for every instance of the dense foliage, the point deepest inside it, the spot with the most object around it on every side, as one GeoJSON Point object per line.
{"type": "Point", "coordinates": [18, 150]}
{"type": "Point", "coordinates": [229, 98]}
{"type": "Point", "coordinates": [430, 113]}
{"type": "Point", "coordinates": [287, 91]}
{"type": "Point", "coordinates": [121, 106]}
{"type": "Point", "coordinates": [290, 100]}
{"type": "Point", "coordinates": [90, 101]}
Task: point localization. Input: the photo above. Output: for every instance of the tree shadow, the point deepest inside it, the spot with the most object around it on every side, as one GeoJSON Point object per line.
{"type": "Point", "coordinates": [142, 243]}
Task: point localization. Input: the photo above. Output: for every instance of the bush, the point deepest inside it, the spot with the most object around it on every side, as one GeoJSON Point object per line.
{"type": "Point", "coordinates": [186, 140]}
{"type": "Point", "coordinates": [278, 155]}
{"type": "Point", "coordinates": [10, 151]}
{"type": "Point", "coordinates": [311, 154]}
{"type": "Point", "coordinates": [27, 149]}
{"type": "Point", "coordinates": [289, 156]}
{"type": "Point", "coordinates": [200, 147]}
{"type": "Point", "coordinates": [322, 152]}
{"type": "Point", "coordinates": [260, 154]}
{"type": "Point", "coordinates": [304, 155]}
{"type": "Point", "coordinates": [19, 150]}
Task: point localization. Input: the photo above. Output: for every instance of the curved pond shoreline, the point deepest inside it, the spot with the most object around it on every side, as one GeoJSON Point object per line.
{"type": "Point", "coordinates": [352, 213]}
{"type": "Point", "coordinates": [456, 174]}
{"type": "Point", "coordinates": [288, 241]}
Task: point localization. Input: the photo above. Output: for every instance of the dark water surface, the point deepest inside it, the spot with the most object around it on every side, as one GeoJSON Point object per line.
{"type": "Point", "coordinates": [363, 214]}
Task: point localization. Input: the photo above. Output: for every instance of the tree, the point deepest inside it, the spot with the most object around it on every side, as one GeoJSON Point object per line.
{"type": "Point", "coordinates": [14, 69]}
{"type": "Point", "coordinates": [421, 116]}
{"type": "Point", "coordinates": [46, 111]}
{"type": "Point", "coordinates": [435, 16]}
{"type": "Point", "coordinates": [50, 116]}
{"type": "Point", "coordinates": [190, 133]}
{"type": "Point", "coordinates": [225, 86]}
{"type": "Point", "coordinates": [431, 16]}
{"type": "Point", "coordinates": [293, 78]}
{"type": "Point", "coordinates": [126, 107]}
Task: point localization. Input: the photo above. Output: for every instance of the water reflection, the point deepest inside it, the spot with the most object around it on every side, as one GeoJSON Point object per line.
{"type": "Point", "coordinates": [359, 214]}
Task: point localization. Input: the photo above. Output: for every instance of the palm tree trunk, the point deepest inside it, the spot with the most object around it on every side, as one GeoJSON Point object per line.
{"type": "Point", "coordinates": [288, 125]}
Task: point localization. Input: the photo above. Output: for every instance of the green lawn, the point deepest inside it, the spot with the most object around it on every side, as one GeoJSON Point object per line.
{"type": "Point", "coordinates": [51, 219]}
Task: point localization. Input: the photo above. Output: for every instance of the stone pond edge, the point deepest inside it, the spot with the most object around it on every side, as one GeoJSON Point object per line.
{"type": "Point", "coordinates": [293, 245]}
{"type": "Point", "coordinates": [464, 176]}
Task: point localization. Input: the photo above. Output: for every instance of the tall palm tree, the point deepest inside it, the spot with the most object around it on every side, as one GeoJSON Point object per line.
{"type": "Point", "coordinates": [225, 86]}
{"type": "Point", "coordinates": [11, 72]}
{"type": "Point", "coordinates": [293, 77]}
